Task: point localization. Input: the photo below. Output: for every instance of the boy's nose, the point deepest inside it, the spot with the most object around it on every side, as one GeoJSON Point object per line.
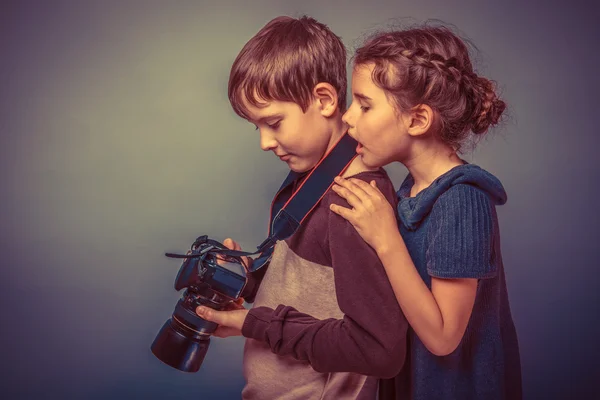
{"type": "Point", "coordinates": [267, 142]}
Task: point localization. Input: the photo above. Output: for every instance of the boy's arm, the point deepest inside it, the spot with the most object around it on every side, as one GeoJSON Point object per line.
{"type": "Point", "coordinates": [371, 337]}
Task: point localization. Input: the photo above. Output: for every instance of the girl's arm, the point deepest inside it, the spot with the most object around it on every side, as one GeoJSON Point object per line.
{"type": "Point", "coordinates": [438, 316]}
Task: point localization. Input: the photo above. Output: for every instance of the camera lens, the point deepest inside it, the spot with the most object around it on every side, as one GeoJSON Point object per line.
{"type": "Point", "coordinates": [183, 340]}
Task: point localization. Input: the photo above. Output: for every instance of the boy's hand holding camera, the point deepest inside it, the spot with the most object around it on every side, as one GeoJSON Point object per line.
{"type": "Point", "coordinates": [231, 320]}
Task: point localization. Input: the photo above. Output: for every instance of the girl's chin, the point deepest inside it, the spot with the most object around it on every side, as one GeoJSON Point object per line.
{"type": "Point", "coordinates": [369, 161]}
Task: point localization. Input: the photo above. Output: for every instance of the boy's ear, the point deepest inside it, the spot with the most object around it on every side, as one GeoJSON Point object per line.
{"type": "Point", "coordinates": [420, 119]}
{"type": "Point", "coordinates": [326, 97]}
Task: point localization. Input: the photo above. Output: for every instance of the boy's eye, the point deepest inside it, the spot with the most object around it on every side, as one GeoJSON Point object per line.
{"type": "Point", "coordinates": [275, 125]}
{"type": "Point", "coordinates": [270, 126]}
{"type": "Point", "coordinates": [365, 108]}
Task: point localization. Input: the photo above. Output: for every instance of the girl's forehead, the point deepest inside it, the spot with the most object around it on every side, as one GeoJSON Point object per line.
{"type": "Point", "coordinates": [363, 69]}
{"type": "Point", "coordinates": [361, 79]}
{"type": "Point", "coordinates": [363, 85]}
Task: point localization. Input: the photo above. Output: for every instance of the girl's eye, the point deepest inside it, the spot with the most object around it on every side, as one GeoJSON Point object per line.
{"type": "Point", "coordinates": [365, 108]}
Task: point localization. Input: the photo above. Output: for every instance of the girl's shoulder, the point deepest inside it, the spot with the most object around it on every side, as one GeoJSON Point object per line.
{"type": "Point", "coordinates": [463, 200]}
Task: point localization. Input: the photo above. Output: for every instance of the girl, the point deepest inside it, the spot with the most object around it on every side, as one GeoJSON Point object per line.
{"type": "Point", "coordinates": [416, 100]}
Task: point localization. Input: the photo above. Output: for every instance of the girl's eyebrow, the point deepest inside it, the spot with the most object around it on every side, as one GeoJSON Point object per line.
{"type": "Point", "coordinates": [362, 96]}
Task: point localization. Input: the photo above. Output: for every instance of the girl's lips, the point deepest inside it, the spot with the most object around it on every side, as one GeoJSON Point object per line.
{"type": "Point", "coordinates": [359, 148]}
{"type": "Point", "coordinates": [285, 157]}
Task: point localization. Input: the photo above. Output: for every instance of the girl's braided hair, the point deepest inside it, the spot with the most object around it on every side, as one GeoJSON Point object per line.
{"type": "Point", "coordinates": [431, 65]}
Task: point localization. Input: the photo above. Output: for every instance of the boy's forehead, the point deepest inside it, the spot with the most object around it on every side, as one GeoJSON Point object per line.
{"type": "Point", "coordinates": [262, 108]}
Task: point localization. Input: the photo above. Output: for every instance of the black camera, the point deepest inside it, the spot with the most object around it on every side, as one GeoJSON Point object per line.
{"type": "Point", "coordinates": [212, 277]}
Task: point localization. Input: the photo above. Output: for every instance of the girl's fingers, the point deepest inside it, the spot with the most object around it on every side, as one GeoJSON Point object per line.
{"type": "Point", "coordinates": [350, 197]}
{"type": "Point", "coordinates": [370, 190]}
{"type": "Point", "coordinates": [343, 212]}
{"type": "Point", "coordinates": [350, 185]}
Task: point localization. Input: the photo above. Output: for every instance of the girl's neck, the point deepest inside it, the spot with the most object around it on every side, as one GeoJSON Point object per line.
{"type": "Point", "coordinates": [429, 163]}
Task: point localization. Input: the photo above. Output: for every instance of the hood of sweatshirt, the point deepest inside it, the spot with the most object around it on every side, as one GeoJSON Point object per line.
{"type": "Point", "coordinates": [412, 210]}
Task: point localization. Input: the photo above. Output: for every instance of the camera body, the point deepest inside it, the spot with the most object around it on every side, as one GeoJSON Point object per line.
{"type": "Point", "coordinates": [212, 277]}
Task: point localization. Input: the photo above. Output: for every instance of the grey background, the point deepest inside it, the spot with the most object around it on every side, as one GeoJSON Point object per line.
{"type": "Point", "coordinates": [118, 143]}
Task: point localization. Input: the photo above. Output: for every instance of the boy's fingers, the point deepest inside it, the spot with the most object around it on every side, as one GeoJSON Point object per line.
{"type": "Point", "coordinates": [212, 315]}
{"type": "Point", "coordinates": [227, 243]}
{"type": "Point", "coordinates": [245, 260]}
{"type": "Point", "coordinates": [246, 263]}
{"type": "Point", "coordinates": [236, 245]}
{"type": "Point", "coordinates": [233, 245]}
{"type": "Point", "coordinates": [232, 318]}
{"type": "Point", "coordinates": [226, 331]}
{"type": "Point", "coordinates": [236, 305]}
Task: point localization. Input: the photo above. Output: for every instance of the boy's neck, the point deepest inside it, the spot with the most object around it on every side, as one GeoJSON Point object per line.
{"type": "Point", "coordinates": [338, 128]}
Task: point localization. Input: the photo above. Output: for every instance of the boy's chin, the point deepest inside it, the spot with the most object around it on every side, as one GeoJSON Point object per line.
{"type": "Point", "coordinates": [299, 166]}
{"type": "Point", "coordinates": [299, 170]}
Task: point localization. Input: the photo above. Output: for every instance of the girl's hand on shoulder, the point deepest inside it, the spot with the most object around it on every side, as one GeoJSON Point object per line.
{"type": "Point", "coordinates": [371, 214]}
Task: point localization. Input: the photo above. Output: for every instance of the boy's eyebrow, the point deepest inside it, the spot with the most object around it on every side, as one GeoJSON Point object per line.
{"type": "Point", "coordinates": [362, 96]}
{"type": "Point", "coordinates": [268, 117]}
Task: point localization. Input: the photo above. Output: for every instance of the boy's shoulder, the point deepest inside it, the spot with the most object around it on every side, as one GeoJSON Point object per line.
{"type": "Point", "coordinates": [357, 170]}
{"type": "Point", "coordinates": [324, 233]}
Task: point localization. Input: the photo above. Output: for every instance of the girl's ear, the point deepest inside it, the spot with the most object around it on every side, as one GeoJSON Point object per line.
{"type": "Point", "coordinates": [326, 97]}
{"type": "Point", "coordinates": [420, 119]}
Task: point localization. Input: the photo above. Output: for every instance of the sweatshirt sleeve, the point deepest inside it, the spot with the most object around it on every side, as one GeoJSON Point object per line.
{"type": "Point", "coordinates": [461, 234]}
{"type": "Point", "coordinates": [371, 337]}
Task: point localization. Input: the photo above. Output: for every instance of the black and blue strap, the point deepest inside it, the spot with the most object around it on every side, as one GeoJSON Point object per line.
{"type": "Point", "coordinates": [291, 207]}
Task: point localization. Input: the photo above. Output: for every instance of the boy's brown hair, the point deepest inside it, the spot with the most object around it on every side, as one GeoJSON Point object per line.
{"type": "Point", "coordinates": [284, 61]}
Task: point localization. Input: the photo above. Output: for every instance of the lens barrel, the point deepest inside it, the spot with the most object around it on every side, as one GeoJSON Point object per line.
{"type": "Point", "coordinates": [183, 340]}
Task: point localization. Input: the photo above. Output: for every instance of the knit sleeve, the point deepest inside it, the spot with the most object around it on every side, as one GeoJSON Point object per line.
{"type": "Point", "coordinates": [461, 234]}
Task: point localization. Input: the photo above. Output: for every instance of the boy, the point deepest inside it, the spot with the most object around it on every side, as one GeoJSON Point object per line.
{"type": "Point", "coordinates": [341, 320]}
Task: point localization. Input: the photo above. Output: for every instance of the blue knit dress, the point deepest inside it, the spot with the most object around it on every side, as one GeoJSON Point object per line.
{"type": "Point", "coordinates": [451, 231]}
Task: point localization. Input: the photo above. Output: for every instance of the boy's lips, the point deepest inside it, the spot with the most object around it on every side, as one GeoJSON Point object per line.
{"type": "Point", "coordinates": [284, 157]}
{"type": "Point", "coordinates": [359, 148]}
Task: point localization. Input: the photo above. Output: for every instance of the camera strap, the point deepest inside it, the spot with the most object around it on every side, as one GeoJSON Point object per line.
{"type": "Point", "coordinates": [290, 206]}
